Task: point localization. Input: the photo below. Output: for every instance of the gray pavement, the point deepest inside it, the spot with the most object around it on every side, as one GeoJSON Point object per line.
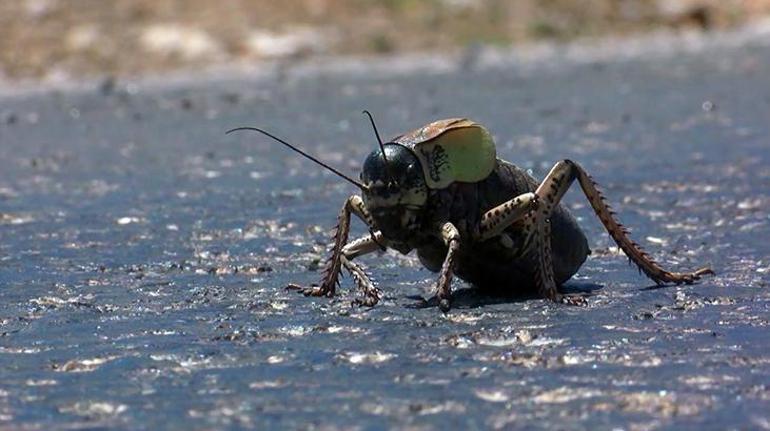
{"type": "Point", "coordinates": [143, 254]}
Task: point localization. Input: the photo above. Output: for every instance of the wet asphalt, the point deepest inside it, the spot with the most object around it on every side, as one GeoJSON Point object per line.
{"type": "Point", "coordinates": [144, 255]}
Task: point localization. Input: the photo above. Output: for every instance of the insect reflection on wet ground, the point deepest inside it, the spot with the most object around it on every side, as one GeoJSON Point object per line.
{"type": "Point", "coordinates": [143, 256]}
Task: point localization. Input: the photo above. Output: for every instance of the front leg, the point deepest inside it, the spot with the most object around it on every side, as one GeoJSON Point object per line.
{"type": "Point", "coordinates": [364, 245]}
{"type": "Point", "coordinates": [371, 294]}
{"type": "Point", "coordinates": [451, 237]}
{"type": "Point", "coordinates": [354, 204]}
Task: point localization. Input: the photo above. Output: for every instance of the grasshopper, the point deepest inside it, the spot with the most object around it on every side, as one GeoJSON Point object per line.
{"type": "Point", "coordinates": [442, 191]}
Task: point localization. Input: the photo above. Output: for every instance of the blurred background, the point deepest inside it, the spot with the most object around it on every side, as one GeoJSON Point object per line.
{"type": "Point", "coordinates": [53, 39]}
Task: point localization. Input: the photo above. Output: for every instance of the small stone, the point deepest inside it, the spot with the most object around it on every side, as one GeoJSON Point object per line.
{"type": "Point", "coordinates": [708, 106]}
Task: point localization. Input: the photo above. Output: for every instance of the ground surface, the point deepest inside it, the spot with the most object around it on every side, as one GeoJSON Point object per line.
{"type": "Point", "coordinates": [61, 39]}
{"type": "Point", "coordinates": [143, 255]}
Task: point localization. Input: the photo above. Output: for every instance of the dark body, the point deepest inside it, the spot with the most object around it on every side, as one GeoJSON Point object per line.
{"type": "Point", "coordinates": [492, 264]}
{"type": "Point", "coordinates": [442, 191]}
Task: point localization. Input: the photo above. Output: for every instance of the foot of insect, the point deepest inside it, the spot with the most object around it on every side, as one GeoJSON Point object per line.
{"type": "Point", "coordinates": [313, 290]}
{"type": "Point", "coordinates": [323, 290]}
{"type": "Point", "coordinates": [445, 304]}
{"type": "Point", "coordinates": [371, 296]}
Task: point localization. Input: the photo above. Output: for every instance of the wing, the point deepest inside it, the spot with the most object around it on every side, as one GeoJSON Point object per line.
{"type": "Point", "coordinates": [455, 149]}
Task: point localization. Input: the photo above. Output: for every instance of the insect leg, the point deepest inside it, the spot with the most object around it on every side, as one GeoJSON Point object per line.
{"type": "Point", "coordinates": [358, 247]}
{"type": "Point", "coordinates": [537, 227]}
{"type": "Point", "coordinates": [362, 280]}
{"type": "Point", "coordinates": [451, 237]}
{"type": "Point", "coordinates": [354, 204]}
{"type": "Point", "coordinates": [364, 245]}
{"type": "Point", "coordinates": [496, 220]}
{"type": "Point", "coordinates": [552, 189]}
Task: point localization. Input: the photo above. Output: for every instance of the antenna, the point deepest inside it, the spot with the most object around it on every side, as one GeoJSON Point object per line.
{"type": "Point", "coordinates": [254, 129]}
{"type": "Point", "coordinates": [382, 147]}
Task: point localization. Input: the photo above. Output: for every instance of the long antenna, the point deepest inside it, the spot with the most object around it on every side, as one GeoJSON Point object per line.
{"type": "Point", "coordinates": [382, 146]}
{"type": "Point", "coordinates": [350, 180]}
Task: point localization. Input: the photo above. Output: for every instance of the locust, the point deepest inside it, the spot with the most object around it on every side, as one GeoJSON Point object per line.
{"type": "Point", "coordinates": [441, 190]}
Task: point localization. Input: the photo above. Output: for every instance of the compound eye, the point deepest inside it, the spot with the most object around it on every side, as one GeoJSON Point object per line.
{"type": "Point", "coordinates": [413, 169]}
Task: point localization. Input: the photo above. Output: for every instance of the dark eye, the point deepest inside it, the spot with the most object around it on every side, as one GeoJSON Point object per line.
{"type": "Point", "coordinates": [413, 169]}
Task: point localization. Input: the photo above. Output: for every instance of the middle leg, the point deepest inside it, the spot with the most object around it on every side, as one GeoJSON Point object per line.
{"type": "Point", "coordinates": [496, 220]}
{"type": "Point", "coordinates": [451, 237]}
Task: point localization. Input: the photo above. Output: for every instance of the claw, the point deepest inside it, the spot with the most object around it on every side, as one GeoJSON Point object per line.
{"type": "Point", "coordinates": [445, 305]}
{"type": "Point", "coordinates": [367, 301]}
{"type": "Point", "coordinates": [431, 302]}
{"type": "Point", "coordinates": [692, 277]}
{"type": "Point", "coordinates": [318, 291]}
{"type": "Point", "coordinates": [704, 271]}
{"type": "Point", "coordinates": [695, 276]}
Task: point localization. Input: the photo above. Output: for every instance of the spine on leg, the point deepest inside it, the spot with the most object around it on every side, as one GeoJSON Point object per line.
{"type": "Point", "coordinates": [619, 233]}
{"type": "Point", "coordinates": [371, 295]}
{"type": "Point", "coordinates": [333, 265]}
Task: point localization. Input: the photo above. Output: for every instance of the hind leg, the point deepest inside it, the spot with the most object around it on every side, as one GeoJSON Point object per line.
{"type": "Point", "coordinates": [550, 193]}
